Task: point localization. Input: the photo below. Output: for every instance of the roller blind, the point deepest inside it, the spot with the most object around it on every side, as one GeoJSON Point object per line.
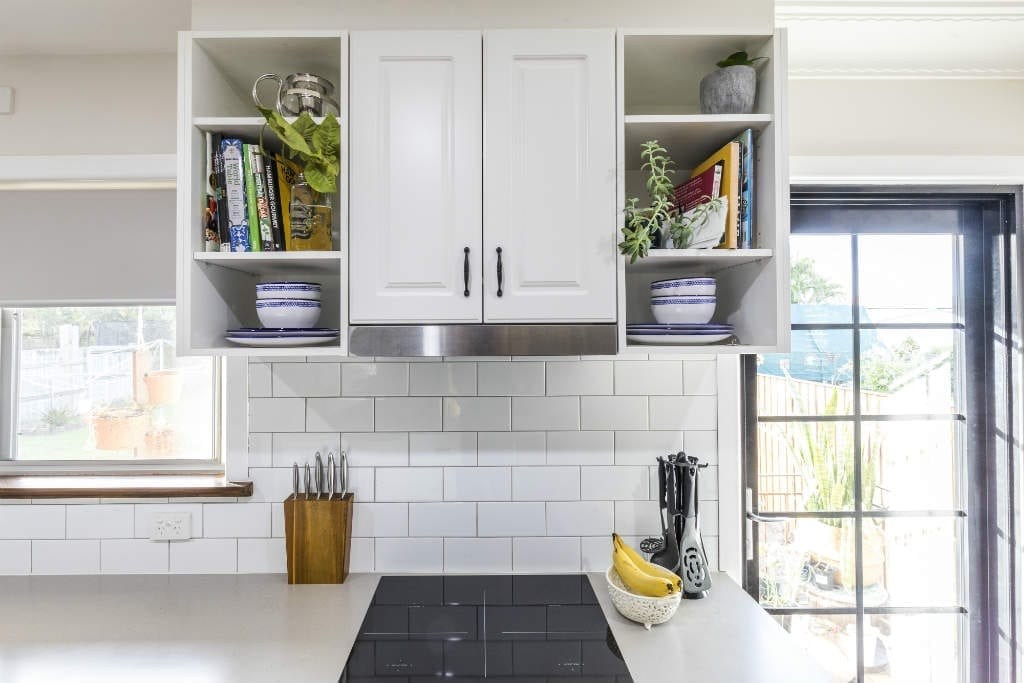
{"type": "Point", "coordinates": [86, 246]}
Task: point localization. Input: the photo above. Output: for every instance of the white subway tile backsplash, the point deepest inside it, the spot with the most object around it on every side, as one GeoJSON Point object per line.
{"type": "Point", "coordinates": [361, 558]}
{"type": "Point", "coordinates": [376, 449]}
{"type": "Point", "coordinates": [375, 379]}
{"type": "Point", "coordinates": [637, 517]}
{"type": "Point", "coordinates": [580, 518]}
{"type": "Point", "coordinates": [442, 519]}
{"type": "Point", "coordinates": [472, 413]}
{"type": "Point", "coordinates": [511, 448]}
{"type": "Point", "coordinates": [204, 556]}
{"type": "Point", "coordinates": [277, 520]}
{"type": "Point", "coordinates": [361, 483]}
{"type": "Point", "coordinates": [260, 380]}
{"type": "Point", "coordinates": [236, 520]}
{"type": "Point", "coordinates": [704, 445]}
{"type": "Point", "coordinates": [614, 412]}
{"type": "Point", "coordinates": [615, 483]}
{"type": "Point", "coordinates": [545, 413]}
{"type": "Point", "coordinates": [270, 484]}
{"type": "Point", "coordinates": [480, 555]}
{"type": "Point", "coordinates": [581, 448]}
{"type": "Point", "coordinates": [262, 556]}
{"type": "Point", "coordinates": [596, 553]}
{"type": "Point", "coordinates": [442, 379]}
{"type": "Point", "coordinates": [552, 554]}
{"type": "Point", "coordinates": [700, 377]}
{"type": "Point", "coordinates": [404, 484]}
{"type": "Point", "coordinates": [277, 414]}
{"type": "Point", "coordinates": [708, 516]}
{"type": "Point", "coordinates": [307, 379]}
{"type": "Point", "coordinates": [15, 557]}
{"type": "Point", "coordinates": [442, 448]}
{"type": "Point", "coordinates": [546, 483]}
{"type": "Point", "coordinates": [145, 513]}
{"type": "Point", "coordinates": [261, 449]}
{"type": "Point", "coordinates": [648, 377]}
{"type": "Point", "coordinates": [100, 521]}
{"type": "Point", "coordinates": [684, 412]}
{"type": "Point", "coordinates": [66, 557]}
{"type": "Point", "coordinates": [577, 378]}
{"type": "Point", "coordinates": [408, 555]}
{"type": "Point", "coordinates": [407, 414]}
{"type": "Point", "coordinates": [339, 415]}
{"type": "Point", "coordinates": [380, 519]}
{"type": "Point", "coordinates": [134, 556]}
{"type": "Point", "coordinates": [300, 448]}
{"type": "Point", "coordinates": [643, 448]}
{"type": "Point", "coordinates": [31, 521]}
{"type": "Point", "coordinates": [510, 379]}
{"type": "Point", "coordinates": [511, 519]}
{"type": "Point", "coordinates": [477, 483]}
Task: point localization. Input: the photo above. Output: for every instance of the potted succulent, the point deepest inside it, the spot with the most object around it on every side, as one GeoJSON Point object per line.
{"type": "Point", "coordinates": [644, 226]}
{"type": "Point", "coordinates": [732, 88]}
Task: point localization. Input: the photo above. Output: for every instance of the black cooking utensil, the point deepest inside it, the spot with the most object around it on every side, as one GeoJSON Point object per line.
{"type": "Point", "coordinates": [668, 555]}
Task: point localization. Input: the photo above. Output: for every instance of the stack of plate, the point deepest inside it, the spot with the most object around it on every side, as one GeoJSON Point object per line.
{"type": "Point", "coordinates": [654, 333]}
{"type": "Point", "coordinates": [281, 336]}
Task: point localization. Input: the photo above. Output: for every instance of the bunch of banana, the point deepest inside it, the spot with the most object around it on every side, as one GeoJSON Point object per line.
{"type": "Point", "coordinates": [639, 575]}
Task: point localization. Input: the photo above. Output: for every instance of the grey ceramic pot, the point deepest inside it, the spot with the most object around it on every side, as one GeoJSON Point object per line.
{"type": "Point", "coordinates": [729, 90]}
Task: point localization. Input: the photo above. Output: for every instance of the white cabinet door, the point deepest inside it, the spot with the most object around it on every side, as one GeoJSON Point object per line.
{"type": "Point", "coordinates": [415, 179]}
{"type": "Point", "coordinates": [549, 175]}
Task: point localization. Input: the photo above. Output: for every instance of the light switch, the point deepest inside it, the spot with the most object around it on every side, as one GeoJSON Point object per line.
{"type": "Point", "coordinates": [6, 99]}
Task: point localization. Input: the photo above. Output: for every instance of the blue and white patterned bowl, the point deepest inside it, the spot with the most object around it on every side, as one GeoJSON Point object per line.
{"type": "Point", "coordinates": [673, 310]}
{"type": "Point", "coordinates": [290, 313]}
{"type": "Point", "coordinates": [288, 290]}
{"type": "Point", "coordinates": [684, 286]}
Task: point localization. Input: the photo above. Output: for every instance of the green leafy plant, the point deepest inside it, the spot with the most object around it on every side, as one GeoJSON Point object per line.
{"type": "Point", "coordinates": [681, 228]}
{"type": "Point", "coordinates": [60, 417]}
{"type": "Point", "coordinates": [642, 224]}
{"type": "Point", "coordinates": [317, 146]}
{"type": "Point", "coordinates": [740, 58]}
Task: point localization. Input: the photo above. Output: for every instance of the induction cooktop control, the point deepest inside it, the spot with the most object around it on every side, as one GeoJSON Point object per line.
{"type": "Point", "coordinates": [513, 629]}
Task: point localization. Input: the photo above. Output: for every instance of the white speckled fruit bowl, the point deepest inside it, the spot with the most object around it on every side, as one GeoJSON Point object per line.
{"type": "Point", "coordinates": [640, 608]}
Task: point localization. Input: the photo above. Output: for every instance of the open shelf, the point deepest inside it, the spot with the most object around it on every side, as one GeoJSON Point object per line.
{"type": "Point", "coordinates": [689, 138]}
{"type": "Point", "coordinates": [332, 349]}
{"type": "Point", "coordinates": [290, 263]}
{"type": "Point", "coordinates": [694, 261]}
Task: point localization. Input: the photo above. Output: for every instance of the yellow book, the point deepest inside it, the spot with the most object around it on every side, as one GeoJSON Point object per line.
{"type": "Point", "coordinates": [285, 178]}
{"type": "Point", "coordinates": [730, 156]}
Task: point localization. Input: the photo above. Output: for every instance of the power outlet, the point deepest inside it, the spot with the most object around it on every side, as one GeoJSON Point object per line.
{"type": "Point", "coordinates": [171, 526]}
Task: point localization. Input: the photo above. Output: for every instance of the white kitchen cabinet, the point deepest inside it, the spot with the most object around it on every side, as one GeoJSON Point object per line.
{"type": "Point", "coordinates": [549, 176]}
{"type": "Point", "coordinates": [415, 186]}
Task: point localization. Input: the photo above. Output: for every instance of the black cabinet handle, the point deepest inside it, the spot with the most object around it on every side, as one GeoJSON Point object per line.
{"type": "Point", "coordinates": [465, 272]}
{"type": "Point", "coordinates": [500, 274]}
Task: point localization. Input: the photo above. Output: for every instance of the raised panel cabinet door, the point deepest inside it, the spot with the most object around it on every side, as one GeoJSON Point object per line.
{"type": "Point", "coordinates": [415, 208]}
{"type": "Point", "coordinates": [549, 176]}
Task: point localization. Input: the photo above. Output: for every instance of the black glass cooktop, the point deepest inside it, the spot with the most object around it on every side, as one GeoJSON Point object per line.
{"type": "Point", "coordinates": [514, 629]}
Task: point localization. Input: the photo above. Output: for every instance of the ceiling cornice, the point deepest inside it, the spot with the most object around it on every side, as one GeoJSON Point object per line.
{"type": "Point", "coordinates": [787, 11]}
{"type": "Point", "coordinates": [901, 74]}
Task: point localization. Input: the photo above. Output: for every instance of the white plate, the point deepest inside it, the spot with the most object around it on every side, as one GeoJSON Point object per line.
{"type": "Point", "coordinates": [280, 341]}
{"type": "Point", "coordinates": [676, 339]}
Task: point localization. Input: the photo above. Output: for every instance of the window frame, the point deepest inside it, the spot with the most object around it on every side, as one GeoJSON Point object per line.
{"type": "Point", "coordinates": [979, 572]}
{"type": "Point", "coordinates": [224, 393]}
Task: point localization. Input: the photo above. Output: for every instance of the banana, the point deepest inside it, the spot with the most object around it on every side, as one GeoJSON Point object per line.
{"type": "Point", "coordinates": [645, 566]}
{"type": "Point", "coordinates": [636, 580]}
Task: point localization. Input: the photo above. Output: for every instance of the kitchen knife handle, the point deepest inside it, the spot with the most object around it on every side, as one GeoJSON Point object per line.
{"type": "Point", "coordinates": [318, 474]}
{"type": "Point", "coordinates": [295, 479]}
{"type": "Point", "coordinates": [307, 476]}
{"type": "Point", "coordinates": [465, 271]}
{"type": "Point", "coordinates": [330, 476]}
{"type": "Point", "coordinates": [500, 273]}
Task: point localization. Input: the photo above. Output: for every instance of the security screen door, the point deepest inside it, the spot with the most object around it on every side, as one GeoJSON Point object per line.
{"type": "Point", "coordinates": [878, 459]}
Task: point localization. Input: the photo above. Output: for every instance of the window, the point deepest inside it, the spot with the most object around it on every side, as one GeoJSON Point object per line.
{"type": "Point", "coordinates": [873, 447]}
{"type": "Point", "coordinates": [95, 384]}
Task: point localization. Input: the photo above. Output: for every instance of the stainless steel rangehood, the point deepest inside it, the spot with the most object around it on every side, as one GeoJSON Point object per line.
{"type": "Point", "coordinates": [580, 339]}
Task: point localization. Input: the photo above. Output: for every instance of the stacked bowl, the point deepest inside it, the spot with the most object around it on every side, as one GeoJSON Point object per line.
{"type": "Point", "coordinates": [683, 308]}
{"type": "Point", "coordinates": [288, 312]}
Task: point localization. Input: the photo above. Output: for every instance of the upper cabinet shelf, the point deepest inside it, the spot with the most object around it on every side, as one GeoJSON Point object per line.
{"type": "Point", "coordinates": [285, 263]}
{"type": "Point", "coordinates": [695, 261]}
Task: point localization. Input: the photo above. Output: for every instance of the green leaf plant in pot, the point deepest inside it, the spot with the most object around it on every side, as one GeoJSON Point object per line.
{"type": "Point", "coordinates": [643, 225]}
{"type": "Point", "coordinates": [732, 88]}
{"type": "Point", "coordinates": [316, 146]}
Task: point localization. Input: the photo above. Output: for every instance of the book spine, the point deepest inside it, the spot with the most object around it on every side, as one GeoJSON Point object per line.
{"type": "Point", "coordinates": [250, 199]}
{"type": "Point", "coordinates": [211, 235]}
{"type": "Point", "coordinates": [285, 178]}
{"type": "Point", "coordinates": [223, 225]}
{"type": "Point", "coordinates": [234, 194]}
{"type": "Point", "coordinates": [259, 181]}
{"type": "Point", "coordinates": [274, 201]}
{"type": "Point", "coordinates": [745, 199]}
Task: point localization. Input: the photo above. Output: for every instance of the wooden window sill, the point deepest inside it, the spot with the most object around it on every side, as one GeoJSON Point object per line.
{"type": "Point", "coordinates": [137, 486]}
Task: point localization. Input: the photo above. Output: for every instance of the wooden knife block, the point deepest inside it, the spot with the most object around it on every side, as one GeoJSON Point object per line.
{"type": "Point", "coordinates": [318, 535]}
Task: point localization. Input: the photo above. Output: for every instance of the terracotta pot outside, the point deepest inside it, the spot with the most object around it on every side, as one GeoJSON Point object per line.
{"type": "Point", "coordinates": [119, 430]}
{"type": "Point", "coordinates": [163, 386]}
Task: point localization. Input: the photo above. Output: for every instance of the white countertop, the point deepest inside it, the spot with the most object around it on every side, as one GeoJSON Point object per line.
{"type": "Point", "coordinates": [255, 628]}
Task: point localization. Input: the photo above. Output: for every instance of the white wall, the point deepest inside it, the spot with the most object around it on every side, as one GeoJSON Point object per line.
{"type": "Point", "coordinates": [868, 117]}
{"type": "Point", "coordinates": [90, 104]}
